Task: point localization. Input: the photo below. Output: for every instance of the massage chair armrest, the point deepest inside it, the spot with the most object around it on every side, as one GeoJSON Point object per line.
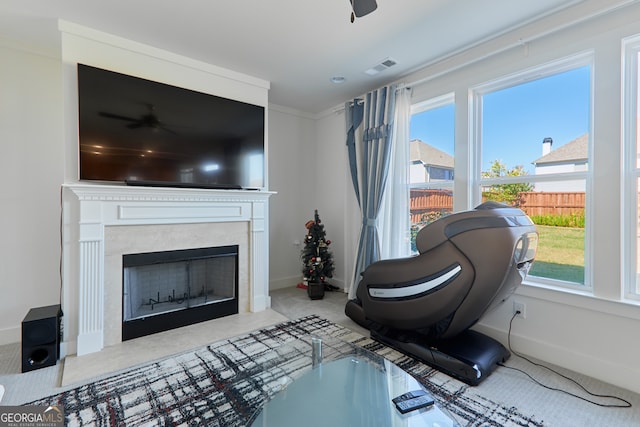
{"type": "Point", "coordinates": [415, 270]}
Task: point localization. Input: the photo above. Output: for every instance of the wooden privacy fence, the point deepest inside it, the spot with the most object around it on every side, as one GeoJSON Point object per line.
{"type": "Point", "coordinates": [430, 201]}
{"type": "Point", "coordinates": [552, 203]}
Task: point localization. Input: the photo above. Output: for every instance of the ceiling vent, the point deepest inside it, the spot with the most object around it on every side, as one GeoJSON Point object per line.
{"type": "Point", "coordinates": [387, 63]}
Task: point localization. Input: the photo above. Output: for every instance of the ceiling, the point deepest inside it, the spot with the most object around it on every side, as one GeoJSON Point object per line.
{"type": "Point", "coordinates": [297, 45]}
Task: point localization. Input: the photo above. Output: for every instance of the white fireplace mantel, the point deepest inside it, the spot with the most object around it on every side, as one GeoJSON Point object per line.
{"type": "Point", "coordinates": [89, 208]}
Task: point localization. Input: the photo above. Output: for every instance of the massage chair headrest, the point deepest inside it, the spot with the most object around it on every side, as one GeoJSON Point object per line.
{"type": "Point", "coordinates": [487, 213]}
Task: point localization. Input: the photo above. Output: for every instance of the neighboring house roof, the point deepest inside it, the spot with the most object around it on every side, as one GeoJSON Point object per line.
{"type": "Point", "coordinates": [571, 152]}
{"type": "Point", "coordinates": [429, 155]}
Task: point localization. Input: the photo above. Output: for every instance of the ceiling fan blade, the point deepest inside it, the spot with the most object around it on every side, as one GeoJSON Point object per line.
{"type": "Point", "coordinates": [363, 7]}
{"type": "Point", "coordinates": [166, 129]}
{"type": "Point", "coordinates": [117, 116]}
{"type": "Point", "coordinates": [149, 120]}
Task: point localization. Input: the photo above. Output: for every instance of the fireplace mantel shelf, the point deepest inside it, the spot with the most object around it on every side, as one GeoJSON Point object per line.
{"type": "Point", "coordinates": [89, 192]}
{"type": "Point", "coordinates": [89, 208]}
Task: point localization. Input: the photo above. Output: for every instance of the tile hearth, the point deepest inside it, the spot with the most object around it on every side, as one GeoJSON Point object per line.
{"type": "Point", "coordinates": [153, 347]}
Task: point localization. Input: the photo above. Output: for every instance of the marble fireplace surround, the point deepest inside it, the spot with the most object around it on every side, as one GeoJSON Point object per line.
{"type": "Point", "coordinates": [103, 222]}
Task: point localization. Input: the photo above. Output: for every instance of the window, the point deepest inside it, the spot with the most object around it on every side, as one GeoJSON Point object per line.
{"type": "Point", "coordinates": [532, 146]}
{"type": "Point", "coordinates": [431, 166]}
{"type": "Point", "coordinates": [631, 136]}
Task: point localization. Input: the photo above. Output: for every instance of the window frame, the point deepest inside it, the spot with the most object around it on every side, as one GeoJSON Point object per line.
{"type": "Point", "coordinates": [432, 104]}
{"type": "Point", "coordinates": [630, 267]}
{"type": "Point", "coordinates": [476, 181]}
{"type": "Point", "coordinates": [419, 107]}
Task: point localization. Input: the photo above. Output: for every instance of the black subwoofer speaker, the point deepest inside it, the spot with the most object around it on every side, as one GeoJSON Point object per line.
{"type": "Point", "coordinates": [41, 334]}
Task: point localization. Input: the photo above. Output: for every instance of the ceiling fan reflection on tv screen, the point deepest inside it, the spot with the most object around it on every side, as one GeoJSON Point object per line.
{"type": "Point", "coordinates": [142, 132]}
{"type": "Point", "coordinates": [148, 120]}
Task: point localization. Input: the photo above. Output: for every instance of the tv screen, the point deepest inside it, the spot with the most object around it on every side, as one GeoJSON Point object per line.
{"type": "Point", "coordinates": [143, 132]}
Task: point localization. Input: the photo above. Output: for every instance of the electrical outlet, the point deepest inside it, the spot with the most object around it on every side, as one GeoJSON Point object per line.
{"type": "Point", "coordinates": [520, 307]}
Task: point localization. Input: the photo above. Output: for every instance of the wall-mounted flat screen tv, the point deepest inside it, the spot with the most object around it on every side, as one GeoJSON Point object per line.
{"type": "Point", "coordinates": [142, 132]}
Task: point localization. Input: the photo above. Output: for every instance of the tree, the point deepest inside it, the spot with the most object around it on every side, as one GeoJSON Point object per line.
{"type": "Point", "coordinates": [507, 193]}
{"type": "Point", "coordinates": [316, 257]}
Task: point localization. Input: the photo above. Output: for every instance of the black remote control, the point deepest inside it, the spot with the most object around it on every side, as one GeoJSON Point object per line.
{"type": "Point", "coordinates": [409, 395]}
{"type": "Point", "coordinates": [414, 404]}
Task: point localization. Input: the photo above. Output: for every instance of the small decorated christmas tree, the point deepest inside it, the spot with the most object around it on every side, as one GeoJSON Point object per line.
{"type": "Point", "coordinates": [316, 257]}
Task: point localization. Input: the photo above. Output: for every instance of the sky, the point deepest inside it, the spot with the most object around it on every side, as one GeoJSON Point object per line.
{"type": "Point", "coordinates": [517, 119]}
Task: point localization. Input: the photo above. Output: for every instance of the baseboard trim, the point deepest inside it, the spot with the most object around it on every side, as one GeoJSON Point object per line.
{"type": "Point", "coordinates": [285, 282]}
{"type": "Point", "coordinates": [10, 335]}
{"type": "Point", "coordinates": [582, 363]}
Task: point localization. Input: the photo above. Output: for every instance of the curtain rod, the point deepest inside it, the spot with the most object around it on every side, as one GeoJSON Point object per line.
{"type": "Point", "coordinates": [400, 87]}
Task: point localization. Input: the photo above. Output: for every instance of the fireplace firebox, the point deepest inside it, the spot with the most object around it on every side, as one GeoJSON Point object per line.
{"type": "Point", "coordinates": [171, 289]}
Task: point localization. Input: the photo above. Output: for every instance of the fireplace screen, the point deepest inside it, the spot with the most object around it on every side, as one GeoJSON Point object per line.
{"type": "Point", "coordinates": [165, 290]}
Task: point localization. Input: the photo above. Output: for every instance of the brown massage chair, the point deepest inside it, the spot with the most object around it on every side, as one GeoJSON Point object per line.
{"type": "Point", "coordinates": [424, 305]}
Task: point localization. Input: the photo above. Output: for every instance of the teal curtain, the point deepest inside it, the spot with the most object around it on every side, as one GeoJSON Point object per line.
{"type": "Point", "coordinates": [369, 135]}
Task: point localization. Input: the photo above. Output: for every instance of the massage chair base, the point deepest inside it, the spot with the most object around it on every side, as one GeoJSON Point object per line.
{"type": "Point", "coordinates": [469, 357]}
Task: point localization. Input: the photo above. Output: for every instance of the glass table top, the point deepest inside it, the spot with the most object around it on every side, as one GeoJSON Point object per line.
{"type": "Point", "coordinates": [334, 383]}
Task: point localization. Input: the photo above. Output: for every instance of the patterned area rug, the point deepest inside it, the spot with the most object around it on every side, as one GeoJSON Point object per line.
{"type": "Point", "coordinates": [226, 383]}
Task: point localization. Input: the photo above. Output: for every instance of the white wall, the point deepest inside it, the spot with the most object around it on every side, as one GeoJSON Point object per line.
{"type": "Point", "coordinates": [308, 170]}
{"type": "Point", "coordinates": [292, 174]}
{"type": "Point", "coordinates": [31, 172]}
{"type": "Point", "coordinates": [335, 196]}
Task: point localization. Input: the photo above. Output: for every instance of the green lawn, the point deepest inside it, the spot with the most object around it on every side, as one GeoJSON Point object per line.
{"type": "Point", "coordinates": [560, 254]}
